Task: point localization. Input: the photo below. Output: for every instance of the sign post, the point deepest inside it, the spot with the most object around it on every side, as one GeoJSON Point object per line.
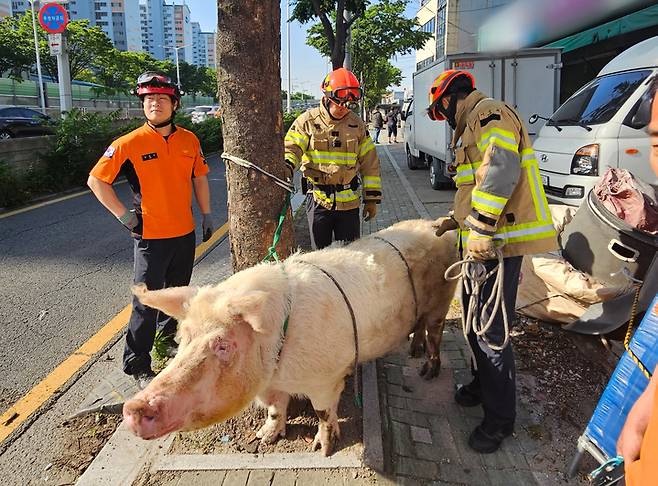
{"type": "Point", "coordinates": [54, 19]}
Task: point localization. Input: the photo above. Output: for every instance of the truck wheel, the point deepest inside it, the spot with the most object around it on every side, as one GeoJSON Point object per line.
{"type": "Point", "coordinates": [437, 179]}
{"type": "Point", "coordinates": [412, 162]}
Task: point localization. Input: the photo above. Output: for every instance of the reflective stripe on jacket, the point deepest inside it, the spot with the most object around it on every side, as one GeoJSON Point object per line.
{"type": "Point", "coordinates": [333, 152]}
{"type": "Point", "coordinates": [499, 190]}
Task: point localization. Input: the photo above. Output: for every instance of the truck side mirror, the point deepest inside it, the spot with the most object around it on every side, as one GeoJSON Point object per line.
{"type": "Point", "coordinates": [533, 119]}
{"type": "Point", "coordinates": [642, 115]}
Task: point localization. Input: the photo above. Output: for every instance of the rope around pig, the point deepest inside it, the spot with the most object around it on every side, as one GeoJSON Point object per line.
{"type": "Point", "coordinates": [474, 276]}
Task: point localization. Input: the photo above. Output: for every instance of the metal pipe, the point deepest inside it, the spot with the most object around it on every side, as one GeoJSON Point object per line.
{"type": "Point", "coordinates": [36, 50]}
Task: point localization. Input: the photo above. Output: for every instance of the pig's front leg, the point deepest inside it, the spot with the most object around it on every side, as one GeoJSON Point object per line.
{"type": "Point", "coordinates": [325, 405]}
{"type": "Point", "coordinates": [277, 413]}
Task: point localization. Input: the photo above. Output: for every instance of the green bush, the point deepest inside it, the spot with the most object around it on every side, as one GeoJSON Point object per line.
{"type": "Point", "coordinates": [209, 132]}
{"type": "Point", "coordinates": [12, 187]}
{"type": "Point", "coordinates": [289, 118]}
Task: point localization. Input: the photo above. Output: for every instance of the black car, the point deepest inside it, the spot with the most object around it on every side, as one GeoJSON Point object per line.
{"type": "Point", "coordinates": [16, 121]}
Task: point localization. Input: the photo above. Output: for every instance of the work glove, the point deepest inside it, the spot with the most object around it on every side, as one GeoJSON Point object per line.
{"type": "Point", "coordinates": [207, 226]}
{"type": "Point", "coordinates": [480, 247]}
{"type": "Point", "coordinates": [446, 223]}
{"type": "Point", "coordinates": [369, 210]}
{"type": "Point", "coordinates": [129, 219]}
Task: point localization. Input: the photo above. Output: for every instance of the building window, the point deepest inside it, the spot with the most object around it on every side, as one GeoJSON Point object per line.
{"type": "Point", "coordinates": [441, 29]}
{"type": "Point", "coordinates": [428, 26]}
{"type": "Point", "coordinates": [424, 62]}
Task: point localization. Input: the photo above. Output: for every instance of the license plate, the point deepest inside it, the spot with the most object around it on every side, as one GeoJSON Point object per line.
{"type": "Point", "coordinates": [544, 180]}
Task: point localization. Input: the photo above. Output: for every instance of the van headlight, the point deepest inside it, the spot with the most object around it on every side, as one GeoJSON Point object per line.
{"type": "Point", "coordinates": [586, 160]}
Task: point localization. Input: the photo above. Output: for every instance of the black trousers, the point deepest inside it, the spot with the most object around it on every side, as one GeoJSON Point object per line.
{"type": "Point", "coordinates": [496, 372]}
{"type": "Point", "coordinates": [159, 263]}
{"type": "Point", "coordinates": [324, 224]}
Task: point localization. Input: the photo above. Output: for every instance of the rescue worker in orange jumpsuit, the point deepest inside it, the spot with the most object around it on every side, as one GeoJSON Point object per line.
{"type": "Point", "coordinates": [500, 208]}
{"type": "Point", "coordinates": [339, 164]}
{"type": "Point", "coordinates": [638, 440]}
{"type": "Point", "coordinates": [163, 164]}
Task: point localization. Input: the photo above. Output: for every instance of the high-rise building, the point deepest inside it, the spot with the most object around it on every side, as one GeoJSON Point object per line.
{"type": "Point", "coordinates": [183, 32]}
{"type": "Point", "coordinates": [152, 20]}
{"type": "Point", "coordinates": [99, 14]}
{"type": "Point", "coordinates": [127, 25]}
{"type": "Point", "coordinates": [5, 8]}
{"type": "Point", "coordinates": [208, 40]}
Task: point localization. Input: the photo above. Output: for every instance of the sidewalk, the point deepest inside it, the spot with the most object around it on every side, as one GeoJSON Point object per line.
{"type": "Point", "coordinates": [423, 432]}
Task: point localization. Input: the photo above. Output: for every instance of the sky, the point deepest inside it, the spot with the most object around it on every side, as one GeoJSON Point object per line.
{"type": "Point", "coordinates": [307, 66]}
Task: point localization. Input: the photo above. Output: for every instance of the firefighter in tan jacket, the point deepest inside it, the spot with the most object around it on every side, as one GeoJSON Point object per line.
{"type": "Point", "coordinates": [500, 205]}
{"type": "Point", "coordinates": [332, 148]}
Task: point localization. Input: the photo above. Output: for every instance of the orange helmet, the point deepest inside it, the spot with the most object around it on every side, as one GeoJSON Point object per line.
{"type": "Point", "coordinates": [341, 86]}
{"type": "Point", "coordinates": [440, 87]}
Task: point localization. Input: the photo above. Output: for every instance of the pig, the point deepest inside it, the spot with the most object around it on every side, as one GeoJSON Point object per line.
{"type": "Point", "coordinates": [233, 348]}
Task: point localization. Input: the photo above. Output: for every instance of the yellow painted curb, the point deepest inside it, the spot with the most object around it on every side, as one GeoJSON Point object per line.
{"type": "Point", "coordinates": [20, 411]}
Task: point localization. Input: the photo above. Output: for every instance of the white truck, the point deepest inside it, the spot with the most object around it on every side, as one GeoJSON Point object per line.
{"type": "Point", "coordinates": [601, 125]}
{"type": "Point", "coordinates": [528, 80]}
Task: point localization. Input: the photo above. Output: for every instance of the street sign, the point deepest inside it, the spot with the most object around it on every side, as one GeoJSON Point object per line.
{"type": "Point", "coordinates": [53, 18]}
{"type": "Point", "coordinates": [55, 43]}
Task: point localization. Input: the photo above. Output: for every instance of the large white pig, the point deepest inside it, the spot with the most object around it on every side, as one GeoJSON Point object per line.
{"type": "Point", "coordinates": [233, 349]}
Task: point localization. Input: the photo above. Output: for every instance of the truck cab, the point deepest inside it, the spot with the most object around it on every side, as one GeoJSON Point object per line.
{"type": "Point", "coordinates": [597, 128]}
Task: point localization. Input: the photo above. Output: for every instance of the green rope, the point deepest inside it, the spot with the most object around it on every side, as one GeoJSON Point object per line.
{"type": "Point", "coordinates": [271, 252]}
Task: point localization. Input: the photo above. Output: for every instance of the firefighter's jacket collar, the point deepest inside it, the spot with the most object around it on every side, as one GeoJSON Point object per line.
{"type": "Point", "coordinates": [464, 108]}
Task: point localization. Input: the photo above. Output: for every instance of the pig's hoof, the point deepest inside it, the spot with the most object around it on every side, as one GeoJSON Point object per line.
{"type": "Point", "coordinates": [325, 440]}
{"type": "Point", "coordinates": [271, 431]}
{"type": "Point", "coordinates": [430, 369]}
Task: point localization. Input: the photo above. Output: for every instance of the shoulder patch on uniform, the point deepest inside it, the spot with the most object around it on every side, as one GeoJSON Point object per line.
{"type": "Point", "coordinates": [489, 118]}
{"type": "Point", "coordinates": [109, 152]}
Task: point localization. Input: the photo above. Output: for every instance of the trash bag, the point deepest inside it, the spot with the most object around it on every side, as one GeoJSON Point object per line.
{"type": "Point", "coordinates": [629, 199]}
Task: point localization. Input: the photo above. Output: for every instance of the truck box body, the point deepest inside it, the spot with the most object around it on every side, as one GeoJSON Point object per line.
{"type": "Point", "coordinates": [527, 80]}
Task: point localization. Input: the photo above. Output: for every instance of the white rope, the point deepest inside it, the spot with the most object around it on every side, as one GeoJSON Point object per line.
{"type": "Point", "coordinates": [288, 186]}
{"type": "Point", "coordinates": [475, 275]}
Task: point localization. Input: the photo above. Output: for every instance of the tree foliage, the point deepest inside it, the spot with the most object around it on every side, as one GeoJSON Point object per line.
{"type": "Point", "coordinates": [380, 33]}
{"type": "Point", "coordinates": [327, 11]}
{"type": "Point", "coordinates": [92, 58]}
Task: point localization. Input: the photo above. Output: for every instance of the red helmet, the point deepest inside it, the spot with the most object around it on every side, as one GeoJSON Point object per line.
{"type": "Point", "coordinates": [152, 83]}
{"type": "Point", "coordinates": [440, 88]}
{"type": "Point", "coordinates": [341, 86]}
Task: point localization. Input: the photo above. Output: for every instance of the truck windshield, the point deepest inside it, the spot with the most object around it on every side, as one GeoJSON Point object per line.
{"type": "Point", "coordinates": [599, 100]}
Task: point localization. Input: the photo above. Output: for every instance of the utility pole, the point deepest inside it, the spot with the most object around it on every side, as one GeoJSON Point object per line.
{"type": "Point", "coordinates": [347, 63]}
{"type": "Point", "coordinates": [36, 50]}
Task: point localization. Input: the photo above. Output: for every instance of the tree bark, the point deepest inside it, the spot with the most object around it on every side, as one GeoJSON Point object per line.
{"type": "Point", "coordinates": [249, 86]}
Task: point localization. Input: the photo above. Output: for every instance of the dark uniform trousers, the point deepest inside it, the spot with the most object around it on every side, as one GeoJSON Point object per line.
{"type": "Point", "coordinates": [159, 263]}
{"type": "Point", "coordinates": [496, 371]}
{"type": "Point", "coordinates": [324, 223]}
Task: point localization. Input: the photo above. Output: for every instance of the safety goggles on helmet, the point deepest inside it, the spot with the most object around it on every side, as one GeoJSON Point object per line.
{"type": "Point", "coordinates": [154, 78]}
{"type": "Point", "coordinates": [156, 83]}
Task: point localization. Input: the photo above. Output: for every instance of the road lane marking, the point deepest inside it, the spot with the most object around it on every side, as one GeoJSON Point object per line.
{"type": "Point", "coordinates": [42, 204]}
{"type": "Point", "coordinates": [20, 411]}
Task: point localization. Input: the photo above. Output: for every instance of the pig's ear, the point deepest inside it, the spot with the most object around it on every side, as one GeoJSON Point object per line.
{"type": "Point", "coordinates": [249, 307]}
{"type": "Point", "coordinates": [172, 301]}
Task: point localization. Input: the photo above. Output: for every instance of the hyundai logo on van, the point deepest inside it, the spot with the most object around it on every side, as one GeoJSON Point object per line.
{"type": "Point", "coordinates": [544, 158]}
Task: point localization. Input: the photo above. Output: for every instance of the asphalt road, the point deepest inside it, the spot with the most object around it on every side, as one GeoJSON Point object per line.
{"type": "Point", "coordinates": [65, 271]}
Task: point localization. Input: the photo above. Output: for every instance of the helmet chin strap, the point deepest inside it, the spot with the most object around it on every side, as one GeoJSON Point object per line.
{"type": "Point", "coordinates": [163, 124]}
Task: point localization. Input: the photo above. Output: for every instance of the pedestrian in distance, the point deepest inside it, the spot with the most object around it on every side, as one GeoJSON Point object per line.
{"type": "Point", "coordinates": [638, 440]}
{"type": "Point", "coordinates": [501, 213]}
{"type": "Point", "coordinates": [331, 146]}
{"type": "Point", "coordinates": [392, 125]}
{"type": "Point", "coordinates": [163, 165]}
{"type": "Point", "coordinates": [378, 123]}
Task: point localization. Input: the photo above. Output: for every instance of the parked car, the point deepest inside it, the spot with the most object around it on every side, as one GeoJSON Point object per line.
{"type": "Point", "coordinates": [200, 113]}
{"type": "Point", "coordinates": [18, 121]}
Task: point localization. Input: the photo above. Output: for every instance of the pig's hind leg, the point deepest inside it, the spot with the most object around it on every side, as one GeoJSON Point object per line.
{"type": "Point", "coordinates": [325, 404]}
{"type": "Point", "coordinates": [277, 413]}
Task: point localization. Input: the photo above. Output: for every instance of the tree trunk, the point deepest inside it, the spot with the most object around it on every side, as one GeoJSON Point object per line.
{"type": "Point", "coordinates": [249, 86]}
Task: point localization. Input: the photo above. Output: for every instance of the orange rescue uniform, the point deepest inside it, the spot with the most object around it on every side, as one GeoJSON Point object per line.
{"type": "Point", "coordinates": [160, 173]}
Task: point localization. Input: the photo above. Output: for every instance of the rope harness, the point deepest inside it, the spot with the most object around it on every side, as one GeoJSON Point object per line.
{"type": "Point", "coordinates": [627, 339]}
{"type": "Point", "coordinates": [411, 280]}
{"type": "Point", "coordinates": [357, 393]}
{"type": "Point", "coordinates": [475, 275]}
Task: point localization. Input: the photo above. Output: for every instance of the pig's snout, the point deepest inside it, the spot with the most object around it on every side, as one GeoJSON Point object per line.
{"type": "Point", "coordinates": [142, 418]}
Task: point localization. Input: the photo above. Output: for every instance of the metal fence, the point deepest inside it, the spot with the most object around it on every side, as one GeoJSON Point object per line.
{"type": "Point", "coordinates": [26, 93]}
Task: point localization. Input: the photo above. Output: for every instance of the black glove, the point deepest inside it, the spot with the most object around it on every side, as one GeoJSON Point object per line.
{"type": "Point", "coordinates": [207, 226]}
{"type": "Point", "coordinates": [129, 220]}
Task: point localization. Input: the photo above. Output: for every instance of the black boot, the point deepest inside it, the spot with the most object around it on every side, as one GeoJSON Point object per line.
{"type": "Point", "coordinates": [486, 439]}
{"type": "Point", "coordinates": [469, 395]}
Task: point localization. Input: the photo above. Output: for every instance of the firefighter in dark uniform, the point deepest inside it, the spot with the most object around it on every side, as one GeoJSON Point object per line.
{"type": "Point", "coordinates": [164, 165]}
{"type": "Point", "coordinates": [338, 161]}
{"type": "Point", "coordinates": [500, 209]}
